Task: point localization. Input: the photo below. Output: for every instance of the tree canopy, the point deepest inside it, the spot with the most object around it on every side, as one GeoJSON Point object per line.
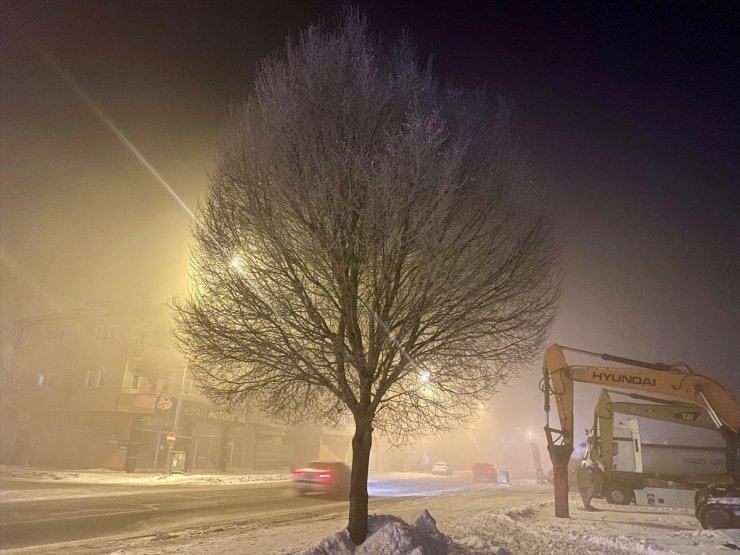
{"type": "Point", "coordinates": [370, 244]}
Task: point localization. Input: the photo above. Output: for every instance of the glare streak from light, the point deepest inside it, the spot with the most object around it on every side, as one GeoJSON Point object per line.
{"type": "Point", "coordinates": [235, 263]}
{"type": "Point", "coordinates": [59, 70]}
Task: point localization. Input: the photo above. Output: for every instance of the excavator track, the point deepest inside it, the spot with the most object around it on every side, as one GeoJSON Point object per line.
{"type": "Point", "coordinates": [718, 507]}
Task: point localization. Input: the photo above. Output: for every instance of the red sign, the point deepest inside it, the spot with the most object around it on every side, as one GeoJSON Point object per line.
{"type": "Point", "coordinates": [171, 437]}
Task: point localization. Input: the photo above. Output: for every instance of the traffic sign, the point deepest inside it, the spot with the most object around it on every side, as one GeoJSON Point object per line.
{"type": "Point", "coordinates": [171, 437]}
{"type": "Point", "coordinates": [164, 403]}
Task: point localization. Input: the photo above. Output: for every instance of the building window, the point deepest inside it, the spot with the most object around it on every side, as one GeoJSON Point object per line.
{"type": "Point", "coordinates": [95, 378]}
{"type": "Point", "coordinates": [105, 333]}
{"type": "Point", "coordinates": [134, 381]}
{"type": "Point", "coordinates": [54, 335]}
{"type": "Point", "coordinates": [140, 336]}
{"type": "Point", "coordinates": [189, 388]}
{"type": "Point", "coordinates": [24, 336]}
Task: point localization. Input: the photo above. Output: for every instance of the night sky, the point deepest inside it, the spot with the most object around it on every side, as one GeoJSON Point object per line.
{"type": "Point", "coordinates": [630, 110]}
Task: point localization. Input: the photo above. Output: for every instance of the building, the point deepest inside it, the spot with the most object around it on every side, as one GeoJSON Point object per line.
{"type": "Point", "coordinates": [102, 386]}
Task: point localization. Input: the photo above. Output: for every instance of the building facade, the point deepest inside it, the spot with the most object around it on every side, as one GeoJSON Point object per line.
{"type": "Point", "coordinates": [102, 386]}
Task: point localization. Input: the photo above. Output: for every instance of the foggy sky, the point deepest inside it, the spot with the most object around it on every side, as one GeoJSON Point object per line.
{"type": "Point", "coordinates": [631, 112]}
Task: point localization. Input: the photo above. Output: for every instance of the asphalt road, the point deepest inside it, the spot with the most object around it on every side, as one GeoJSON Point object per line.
{"type": "Point", "coordinates": [34, 514]}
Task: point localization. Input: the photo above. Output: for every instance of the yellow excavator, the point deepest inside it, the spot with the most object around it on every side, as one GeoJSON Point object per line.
{"type": "Point", "coordinates": [716, 505]}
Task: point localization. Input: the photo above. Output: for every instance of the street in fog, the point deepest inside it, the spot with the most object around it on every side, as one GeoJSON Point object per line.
{"type": "Point", "coordinates": [39, 514]}
{"type": "Point", "coordinates": [373, 247]}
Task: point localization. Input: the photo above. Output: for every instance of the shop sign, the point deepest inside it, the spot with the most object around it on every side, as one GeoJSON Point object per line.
{"type": "Point", "coordinates": [214, 415]}
{"type": "Point", "coordinates": [164, 403]}
{"type": "Point", "coordinates": [107, 435]}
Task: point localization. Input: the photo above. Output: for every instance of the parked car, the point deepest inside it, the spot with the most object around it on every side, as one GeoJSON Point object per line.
{"type": "Point", "coordinates": [484, 472]}
{"type": "Point", "coordinates": [327, 477]}
{"type": "Point", "coordinates": [441, 469]}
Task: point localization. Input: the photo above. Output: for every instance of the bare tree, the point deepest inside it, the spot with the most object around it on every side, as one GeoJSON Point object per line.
{"type": "Point", "coordinates": [369, 244]}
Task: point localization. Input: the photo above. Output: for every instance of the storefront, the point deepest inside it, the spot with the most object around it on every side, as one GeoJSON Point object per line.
{"type": "Point", "coordinates": [213, 440]}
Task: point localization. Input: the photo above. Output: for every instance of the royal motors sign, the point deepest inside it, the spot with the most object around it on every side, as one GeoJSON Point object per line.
{"type": "Point", "coordinates": [213, 415]}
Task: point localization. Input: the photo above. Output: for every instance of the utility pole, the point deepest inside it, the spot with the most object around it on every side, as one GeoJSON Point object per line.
{"type": "Point", "coordinates": [176, 423]}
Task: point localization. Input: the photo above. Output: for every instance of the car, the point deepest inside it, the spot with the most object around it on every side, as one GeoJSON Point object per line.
{"type": "Point", "coordinates": [441, 469]}
{"type": "Point", "coordinates": [484, 472]}
{"type": "Point", "coordinates": [331, 478]}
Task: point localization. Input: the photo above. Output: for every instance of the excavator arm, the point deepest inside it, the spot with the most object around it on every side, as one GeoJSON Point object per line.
{"type": "Point", "coordinates": [673, 381]}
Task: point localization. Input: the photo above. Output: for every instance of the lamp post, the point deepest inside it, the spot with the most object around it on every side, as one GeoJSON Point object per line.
{"type": "Point", "coordinates": [176, 423]}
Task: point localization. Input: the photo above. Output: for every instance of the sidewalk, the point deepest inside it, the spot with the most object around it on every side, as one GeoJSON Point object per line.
{"type": "Point", "coordinates": [9, 474]}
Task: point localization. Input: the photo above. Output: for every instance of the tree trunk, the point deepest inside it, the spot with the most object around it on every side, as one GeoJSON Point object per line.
{"type": "Point", "coordinates": [362, 441]}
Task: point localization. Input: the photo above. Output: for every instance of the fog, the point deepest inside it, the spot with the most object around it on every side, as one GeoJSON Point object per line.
{"type": "Point", "coordinates": [649, 238]}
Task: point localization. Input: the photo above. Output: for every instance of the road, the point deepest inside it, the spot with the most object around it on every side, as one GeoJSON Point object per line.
{"type": "Point", "coordinates": [34, 514]}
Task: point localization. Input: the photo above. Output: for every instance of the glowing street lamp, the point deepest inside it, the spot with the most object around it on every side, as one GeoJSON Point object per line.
{"type": "Point", "coordinates": [237, 263]}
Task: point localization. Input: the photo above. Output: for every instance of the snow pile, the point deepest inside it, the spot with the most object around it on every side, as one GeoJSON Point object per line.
{"type": "Point", "coordinates": [520, 513]}
{"type": "Point", "coordinates": [209, 478]}
{"type": "Point", "coordinates": [728, 539]}
{"type": "Point", "coordinates": [389, 534]}
{"type": "Point", "coordinates": [41, 475]}
{"type": "Point", "coordinates": [102, 476]}
{"type": "Point", "coordinates": [521, 530]}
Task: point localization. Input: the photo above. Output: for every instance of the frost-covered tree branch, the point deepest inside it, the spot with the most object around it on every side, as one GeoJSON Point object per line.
{"type": "Point", "coordinates": [370, 242]}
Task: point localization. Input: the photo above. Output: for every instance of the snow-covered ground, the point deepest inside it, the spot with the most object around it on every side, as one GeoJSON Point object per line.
{"type": "Point", "coordinates": [101, 476]}
{"type": "Point", "coordinates": [526, 529]}
{"type": "Point", "coordinates": [516, 519]}
{"type": "Point", "coordinates": [463, 527]}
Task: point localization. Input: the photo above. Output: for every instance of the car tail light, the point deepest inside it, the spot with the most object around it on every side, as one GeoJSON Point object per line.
{"type": "Point", "coordinates": [297, 473]}
{"type": "Point", "coordinates": [324, 475]}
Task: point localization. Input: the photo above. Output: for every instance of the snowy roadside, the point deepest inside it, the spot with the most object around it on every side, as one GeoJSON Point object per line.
{"type": "Point", "coordinates": [531, 528]}
{"type": "Point", "coordinates": [110, 477]}
{"type": "Point", "coordinates": [518, 519]}
{"type": "Point", "coordinates": [47, 482]}
{"type": "Point", "coordinates": [473, 523]}
{"type": "Point", "coordinates": [526, 529]}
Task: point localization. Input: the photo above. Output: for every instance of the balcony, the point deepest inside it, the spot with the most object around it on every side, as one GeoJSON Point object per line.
{"type": "Point", "coordinates": [154, 362]}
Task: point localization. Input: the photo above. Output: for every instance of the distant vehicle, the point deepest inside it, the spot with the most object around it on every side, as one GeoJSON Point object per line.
{"type": "Point", "coordinates": [484, 472]}
{"type": "Point", "coordinates": [441, 469]}
{"type": "Point", "coordinates": [327, 477]}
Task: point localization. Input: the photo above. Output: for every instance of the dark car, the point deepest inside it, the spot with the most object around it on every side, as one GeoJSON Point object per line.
{"type": "Point", "coordinates": [328, 477]}
{"type": "Point", "coordinates": [484, 472]}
